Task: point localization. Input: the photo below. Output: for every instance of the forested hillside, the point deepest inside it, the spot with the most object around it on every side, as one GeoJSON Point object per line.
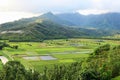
{"type": "Point", "coordinates": [54, 26]}
{"type": "Point", "coordinates": [46, 26]}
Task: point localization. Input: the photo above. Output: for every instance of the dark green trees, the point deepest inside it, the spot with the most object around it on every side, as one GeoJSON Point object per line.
{"type": "Point", "coordinates": [14, 70]}
{"type": "Point", "coordinates": [3, 44]}
{"type": "Point", "coordinates": [101, 49]}
{"type": "Point", "coordinates": [115, 61]}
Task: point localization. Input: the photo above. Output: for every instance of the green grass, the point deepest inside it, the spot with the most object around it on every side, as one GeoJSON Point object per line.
{"type": "Point", "coordinates": [116, 78]}
{"type": "Point", "coordinates": [50, 50]}
{"type": "Point", "coordinates": [66, 60]}
{"type": "Point", "coordinates": [70, 56]}
{"type": "Point", "coordinates": [1, 65]}
{"type": "Point", "coordinates": [1, 53]}
{"type": "Point", "coordinates": [40, 65]}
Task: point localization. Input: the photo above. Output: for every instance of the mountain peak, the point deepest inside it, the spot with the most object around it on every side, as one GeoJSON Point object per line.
{"type": "Point", "coordinates": [49, 13]}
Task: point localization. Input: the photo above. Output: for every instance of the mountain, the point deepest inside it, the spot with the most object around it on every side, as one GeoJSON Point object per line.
{"type": "Point", "coordinates": [108, 21]}
{"type": "Point", "coordinates": [50, 26]}
{"type": "Point", "coordinates": [75, 18]}
{"type": "Point", "coordinates": [103, 21]}
{"type": "Point", "coordinates": [46, 26]}
{"type": "Point", "coordinates": [34, 31]}
{"type": "Point", "coordinates": [47, 16]}
{"type": "Point", "coordinates": [44, 29]}
{"type": "Point", "coordinates": [50, 16]}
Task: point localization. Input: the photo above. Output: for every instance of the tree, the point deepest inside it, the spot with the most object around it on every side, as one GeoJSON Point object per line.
{"type": "Point", "coordinates": [3, 44]}
{"type": "Point", "coordinates": [102, 49]}
{"type": "Point", "coordinates": [15, 47]}
{"type": "Point", "coordinates": [14, 70]}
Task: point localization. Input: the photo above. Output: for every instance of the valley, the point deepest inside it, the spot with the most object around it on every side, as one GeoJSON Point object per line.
{"type": "Point", "coordinates": [56, 46]}
{"type": "Point", "coordinates": [37, 55]}
{"type": "Point", "coordinates": [60, 40]}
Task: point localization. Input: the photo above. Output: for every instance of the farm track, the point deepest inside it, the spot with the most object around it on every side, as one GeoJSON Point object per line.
{"type": "Point", "coordinates": [4, 59]}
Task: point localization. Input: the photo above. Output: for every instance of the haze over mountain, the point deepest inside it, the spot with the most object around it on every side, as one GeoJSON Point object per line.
{"type": "Point", "coordinates": [16, 9]}
{"type": "Point", "coordinates": [101, 21]}
{"type": "Point", "coordinates": [108, 21]}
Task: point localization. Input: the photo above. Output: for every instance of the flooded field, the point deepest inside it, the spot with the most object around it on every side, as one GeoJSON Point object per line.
{"type": "Point", "coordinates": [39, 58]}
{"type": "Point", "coordinates": [31, 58]}
{"type": "Point", "coordinates": [47, 58]}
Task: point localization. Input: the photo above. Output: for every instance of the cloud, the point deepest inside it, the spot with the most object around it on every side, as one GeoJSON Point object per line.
{"type": "Point", "coordinates": [37, 6]}
{"type": "Point", "coordinates": [8, 7]}
{"type": "Point", "coordinates": [92, 11]}
{"type": "Point", "coordinates": [44, 5]}
{"type": "Point", "coordinates": [11, 16]}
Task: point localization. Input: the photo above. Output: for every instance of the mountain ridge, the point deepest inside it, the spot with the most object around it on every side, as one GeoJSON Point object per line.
{"type": "Point", "coordinates": [52, 26]}
{"type": "Point", "coordinates": [101, 21]}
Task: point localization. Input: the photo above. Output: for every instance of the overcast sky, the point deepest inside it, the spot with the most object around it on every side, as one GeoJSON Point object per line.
{"type": "Point", "coordinates": [15, 9]}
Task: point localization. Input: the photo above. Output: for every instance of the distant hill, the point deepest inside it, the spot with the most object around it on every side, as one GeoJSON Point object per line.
{"type": "Point", "coordinates": [103, 21]}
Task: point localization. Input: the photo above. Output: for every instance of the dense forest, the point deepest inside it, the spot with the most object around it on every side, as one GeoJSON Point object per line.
{"type": "Point", "coordinates": [102, 64]}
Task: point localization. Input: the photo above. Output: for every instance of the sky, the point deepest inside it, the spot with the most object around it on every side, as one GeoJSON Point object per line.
{"type": "Point", "coordinates": [11, 10]}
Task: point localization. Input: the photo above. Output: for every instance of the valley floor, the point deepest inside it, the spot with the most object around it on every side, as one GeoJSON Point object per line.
{"type": "Point", "coordinates": [37, 55]}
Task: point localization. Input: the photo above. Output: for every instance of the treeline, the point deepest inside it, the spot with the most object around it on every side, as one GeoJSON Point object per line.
{"type": "Point", "coordinates": [4, 44]}
{"type": "Point", "coordinates": [41, 40]}
{"type": "Point", "coordinates": [103, 64]}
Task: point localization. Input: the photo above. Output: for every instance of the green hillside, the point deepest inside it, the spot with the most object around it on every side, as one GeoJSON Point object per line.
{"type": "Point", "coordinates": [38, 29]}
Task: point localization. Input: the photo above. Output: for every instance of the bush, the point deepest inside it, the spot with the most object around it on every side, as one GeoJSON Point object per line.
{"type": "Point", "coordinates": [101, 49]}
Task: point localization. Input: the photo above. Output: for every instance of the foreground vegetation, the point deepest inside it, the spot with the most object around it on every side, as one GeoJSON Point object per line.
{"type": "Point", "coordinates": [100, 65]}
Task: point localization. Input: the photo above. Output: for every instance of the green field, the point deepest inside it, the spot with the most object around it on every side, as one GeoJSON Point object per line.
{"type": "Point", "coordinates": [117, 78]}
{"type": "Point", "coordinates": [64, 51]}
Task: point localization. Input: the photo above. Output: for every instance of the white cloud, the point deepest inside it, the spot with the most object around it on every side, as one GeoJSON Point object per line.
{"type": "Point", "coordinates": [36, 6]}
{"type": "Point", "coordinates": [92, 11]}
{"type": "Point", "coordinates": [11, 16]}
{"type": "Point", "coordinates": [17, 9]}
